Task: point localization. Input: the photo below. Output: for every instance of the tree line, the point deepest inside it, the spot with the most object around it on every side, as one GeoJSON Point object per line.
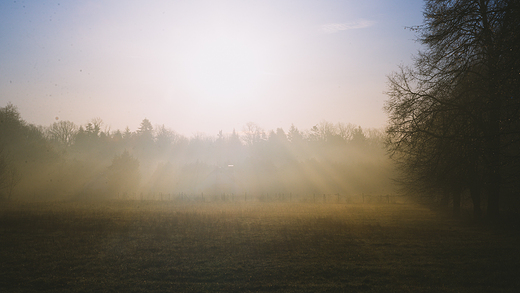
{"type": "Point", "coordinates": [91, 161]}
{"type": "Point", "coordinates": [454, 122]}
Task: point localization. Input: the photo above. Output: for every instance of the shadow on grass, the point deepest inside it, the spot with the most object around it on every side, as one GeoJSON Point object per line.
{"type": "Point", "coordinates": [257, 247]}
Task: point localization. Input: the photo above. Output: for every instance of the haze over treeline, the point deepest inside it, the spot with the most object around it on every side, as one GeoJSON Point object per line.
{"type": "Point", "coordinates": [92, 161]}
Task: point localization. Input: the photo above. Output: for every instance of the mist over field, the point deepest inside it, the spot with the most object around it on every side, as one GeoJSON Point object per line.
{"type": "Point", "coordinates": [91, 161]}
{"type": "Point", "coordinates": [259, 146]}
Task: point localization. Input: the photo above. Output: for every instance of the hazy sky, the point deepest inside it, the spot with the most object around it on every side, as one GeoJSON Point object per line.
{"type": "Point", "coordinates": [203, 66]}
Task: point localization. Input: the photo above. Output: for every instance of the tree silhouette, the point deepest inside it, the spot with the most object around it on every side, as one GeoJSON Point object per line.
{"type": "Point", "coordinates": [253, 134]}
{"type": "Point", "coordinates": [145, 129]}
{"type": "Point", "coordinates": [63, 132]}
{"type": "Point", "coordinates": [452, 101]}
{"type": "Point", "coordinates": [144, 138]}
{"type": "Point", "coordinates": [294, 135]}
{"type": "Point", "coordinates": [11, 125]}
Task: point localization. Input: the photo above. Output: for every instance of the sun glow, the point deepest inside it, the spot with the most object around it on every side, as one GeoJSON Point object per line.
{"type": "Point", "coordinates": [223, 68]}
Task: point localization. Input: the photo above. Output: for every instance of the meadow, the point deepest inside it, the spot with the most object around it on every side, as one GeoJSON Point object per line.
{"type": "Point", "coordinates": [154, 246]}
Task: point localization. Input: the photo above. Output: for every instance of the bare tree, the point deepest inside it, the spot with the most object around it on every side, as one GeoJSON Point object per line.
{"type": "Point", "coordinates": [253, 134]}
{"type": "Point", "coordinates": [447, 113]}
{"type": "Point", "coordinates": [63, 132]}
{"type": "Point", "coordinates": [346, 130]}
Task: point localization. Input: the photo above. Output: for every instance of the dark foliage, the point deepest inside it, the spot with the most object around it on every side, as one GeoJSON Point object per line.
{"type": "Point", "coordinates": [454, 115]}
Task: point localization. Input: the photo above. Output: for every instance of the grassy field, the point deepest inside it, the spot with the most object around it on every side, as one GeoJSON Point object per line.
{"type": "Point", "coordinates": [132, 246]}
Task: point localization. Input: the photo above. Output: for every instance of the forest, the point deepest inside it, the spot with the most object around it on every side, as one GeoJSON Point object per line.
{"type": "Point", "coordinates": [68, 161]}
{"type": "Point", "coordinates": [452, 134]}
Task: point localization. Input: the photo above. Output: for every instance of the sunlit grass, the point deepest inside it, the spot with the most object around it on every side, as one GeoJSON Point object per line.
{"type": "Point", "coordinates": [239, 246]}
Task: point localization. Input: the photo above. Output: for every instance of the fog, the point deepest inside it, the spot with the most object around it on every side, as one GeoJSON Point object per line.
{"type": "Point", "coordinates": [65, 161]}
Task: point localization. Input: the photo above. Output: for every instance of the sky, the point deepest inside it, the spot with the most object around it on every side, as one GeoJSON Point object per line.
{"type": "Point", "coordinates": [204, 66]}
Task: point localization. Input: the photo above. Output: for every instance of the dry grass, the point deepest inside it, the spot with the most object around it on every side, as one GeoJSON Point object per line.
{"type": "Point", "coordinates": [241, 247]}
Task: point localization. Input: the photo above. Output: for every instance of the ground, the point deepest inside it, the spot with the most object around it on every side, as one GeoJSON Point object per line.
{"type": "Point", "coordinates": [154, 246]}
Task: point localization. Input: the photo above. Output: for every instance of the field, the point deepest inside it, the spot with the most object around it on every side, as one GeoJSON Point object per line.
{"type": "Point", "coordinates": [153, 246]}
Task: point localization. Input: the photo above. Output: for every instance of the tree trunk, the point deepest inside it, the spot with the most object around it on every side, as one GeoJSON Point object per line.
{"type": "Point", "coordinates": [492, 152]}
{"type": "Point", "coordinates": [493, 208]}
{"type": "Point", "coordinates": [445, 200]}
{"type": "Point", "coordinates": [492, 117]}
{"type": "Point", "coordinates": [475, 192]}
{"type": "Point", "coordinates": [456, 203]}
{"type": "Point", "coordinates": [493, 159]}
